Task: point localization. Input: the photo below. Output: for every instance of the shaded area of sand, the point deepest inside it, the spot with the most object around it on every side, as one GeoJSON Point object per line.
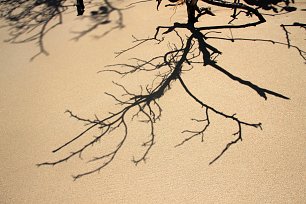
{"type": "Point", "coordinates": [266, 167]}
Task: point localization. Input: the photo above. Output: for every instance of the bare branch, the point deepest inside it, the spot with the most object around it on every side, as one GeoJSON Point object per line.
{"type": "Point", "coordinates": [190, 52]}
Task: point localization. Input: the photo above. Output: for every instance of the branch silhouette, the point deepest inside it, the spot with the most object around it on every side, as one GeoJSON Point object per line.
{"type": "Point", "coordinates": [193, 51]}
{"type": "Point", "coordinates": [295, 24]}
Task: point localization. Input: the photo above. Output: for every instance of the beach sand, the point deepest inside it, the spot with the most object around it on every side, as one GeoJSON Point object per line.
{"type": "Point", "coordinates": [268, 166]}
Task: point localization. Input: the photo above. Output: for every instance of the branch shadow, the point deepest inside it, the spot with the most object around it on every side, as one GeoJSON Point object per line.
{"type": "Point", "coordinates": [102, 15]}
{"type": "Point", "coordinates": [106, 13]}
{"type": "Point", "coordinates": [30, 21]}
{"type": "Point", "coordinates": [192, 52]}
{"type": "Point", "coordinates": [273, 5]}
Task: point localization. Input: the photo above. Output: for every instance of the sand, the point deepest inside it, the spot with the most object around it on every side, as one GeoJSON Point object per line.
{"type": "Point", "coordinates": [268, 166]}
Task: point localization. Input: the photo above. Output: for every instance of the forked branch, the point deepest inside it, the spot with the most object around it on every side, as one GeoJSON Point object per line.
{"type": "Point", "coordinates": [192, 52]}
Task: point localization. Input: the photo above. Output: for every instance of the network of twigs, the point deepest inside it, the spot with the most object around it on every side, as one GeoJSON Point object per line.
{"type": "Point", "coordinates": [30, 21]}
{"type": "Point", "coordinates": [192, 51]}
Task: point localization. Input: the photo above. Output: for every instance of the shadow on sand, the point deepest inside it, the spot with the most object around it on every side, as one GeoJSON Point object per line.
{"type": "Point", "coordinates": [192, 52]}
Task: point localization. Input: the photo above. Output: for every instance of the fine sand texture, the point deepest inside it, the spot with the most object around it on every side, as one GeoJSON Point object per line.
{"type": "Point", "coordinates": [267, 166]}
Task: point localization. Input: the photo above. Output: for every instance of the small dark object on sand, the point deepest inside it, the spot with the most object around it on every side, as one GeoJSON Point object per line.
{"type": "Point", "coordinates": [80, 7]}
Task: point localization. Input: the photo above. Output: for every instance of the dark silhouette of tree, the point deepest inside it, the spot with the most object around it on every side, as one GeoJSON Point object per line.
{"type": "Point", "coordinates": [194, 51]}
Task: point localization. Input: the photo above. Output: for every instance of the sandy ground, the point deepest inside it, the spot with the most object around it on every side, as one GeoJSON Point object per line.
{"type": "Point", "coordinates": [268, 166]}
